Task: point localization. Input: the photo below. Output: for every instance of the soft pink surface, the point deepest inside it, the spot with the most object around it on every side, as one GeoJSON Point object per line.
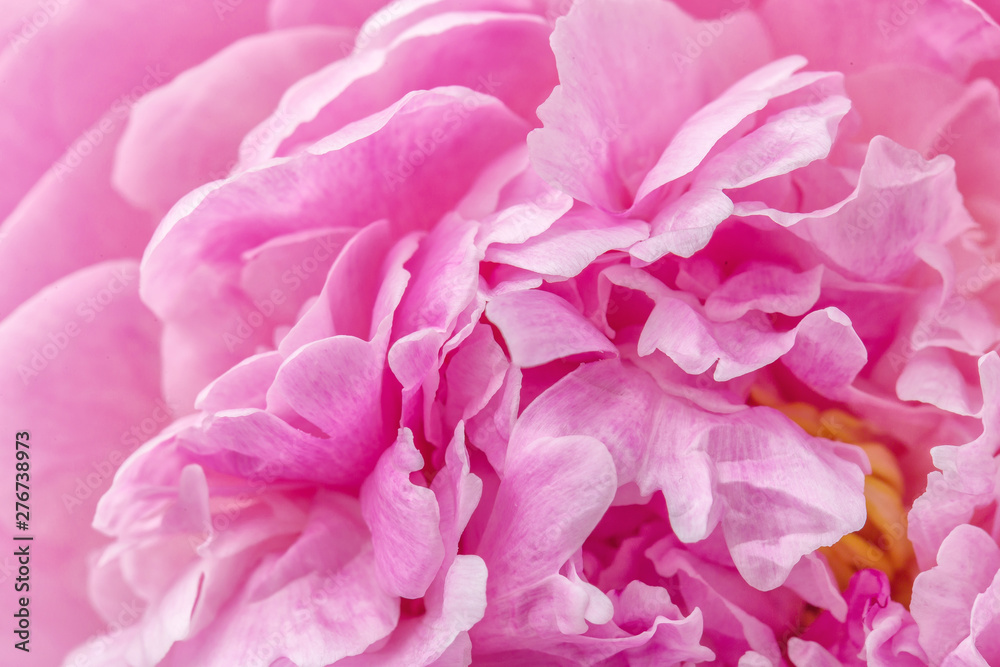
{"type": "Point", "coordinates": [424, 333]}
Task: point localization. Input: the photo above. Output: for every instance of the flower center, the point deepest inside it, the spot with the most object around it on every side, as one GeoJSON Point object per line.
{"type": "Point", "coordinates": [881, 543]}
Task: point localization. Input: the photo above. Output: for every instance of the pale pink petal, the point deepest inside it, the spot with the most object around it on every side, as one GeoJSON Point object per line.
{"type": "Point", "coordinates": [876, 629]}
{"type": "Point", "coordinates": [187, 132]}
{"type": "Point", "coordinates": [791, 138]}
{"type": "Point", "coordinates": [90, 64]}
{"type": "Point", "coordinates": [526, 207]}
{"type": "Point", "coordinates": [77, 439]}
{"type": "Point", "coordinates": [245, 385]}
{"type": "Point", "coordinates": [983, 642]}
{"type": "Point", "coordinates": [804, 653]}
{"type": "Point", "coordinates": [440, 636]}
{"type": "Point", "coordinates": [330, 178]}
{"type": "Point", "coordinates": [751, 94]}
{"type": "Point", "coordinates": [352, 287]}
{"type": "Point", "coordinates": [445, 282]}
{"type": "Point", "coordinates": [403, 518]}
{"type": "Point", "coordinates": [826, 357]}
{"type": "Point", "coordinates": [319, 602]}
{"type": "Point", "coordinates": [828, 354]}
{"type": "Point", "coordinates": [599, 141]}
{"type": "Point", "coordinates": [947, 35]}
{"type": "Point", "coordinates": [931, 376]}
{"type": "Point", "coordinates": [194, 252]}
{"type": "Point", "coordinates": [768, 288]}
{"type": "Point", "coordinates": [336, 384]}
{"type": "Point", "coordinates": [539, 327]}
{"type": "Point", "coordinates": [69, 220]}
{"type": "Point", "coordinates": [490, 430]}
{"type": "Point", "coordinates": [282, 273]}
{"type": "Point", "coordinates": [551, 496]}
{"type": "Point", "coordinates": [967, 478]}
{"type": "Point", "coordinates": [901, 201]}
{"type": "Point", "coordinates": [350, 13]}
{"type": "Point", "coordinates": [241, 443]}
{"type": "Point", "coordinates": [570, 244]}
{"type": "Point", "coordinates": [502, 55]}
{"type": "Point", "coordinates": [730, 631]}
{"type": "Point", "coordinates": [943, 596]}
{"type": "Point", "coordinates": [474, 375]}
{"type": "Point", "coordinates": [711, 468]}
{"type": "Point", "coordinates": [813, 581]}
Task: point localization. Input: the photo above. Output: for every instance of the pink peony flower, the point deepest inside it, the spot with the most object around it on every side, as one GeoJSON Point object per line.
{"type": "Point", "coordinates": [608, 332]}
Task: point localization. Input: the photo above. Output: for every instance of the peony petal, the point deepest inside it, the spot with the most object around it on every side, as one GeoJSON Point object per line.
{"type": "Point", "coordinates": [187, 132]}
{"type": "Point", "coordinates": [730, 631]}
{"type": "Point", "coordinates": [245, 385]}
{"type": "Point", "coordinates": [87, 330]}
{"type": "Point", "coordinates": [968, 476]}
{"type": "Point", "coordinates": [283, 14]}
{"type": "Point", "coordinates": [440, 637]}
{"type": "Point", "coordinates": [803, 653]}
{"type": "Point", "coordinates": [521, 545]}
{"type": "Point", "coordinates": [946, 35]}
{"type": "Point", "coordinates": [201, 332]}
{"type": "Point", "coordinates": [943, 596]}
{"type": "Point", "coordinates": [474, 375]}
{"type": "Point", "coordinates": [91, 63]}
{"type": "Point", "coordinates": [768, 288]}
{"type": "Point", "coordinates": [502, 55]}
{"type": "Point", "coordinates": [403, 518]}
{"type": "Point", "coordinates": [790, 139]}
{"type": "Point", "coordinates": [539, 327]}
{"type": "Point", "coordinates": [901, 201]}
{"type": "Point", "coordinates": [328, 610]}
{"type": "Point", "coordinates": [828, 354]}
{"type": "Point", "coordinates": [734, 468]}
{"type": "Point", "coordinates": [598, 141]}
{"type": "Point", "coordinates": [69, 220]}
{"type": "Point", "coordinates": [571, 244]}
{"type": "Point", "coordinates": [931, 376]}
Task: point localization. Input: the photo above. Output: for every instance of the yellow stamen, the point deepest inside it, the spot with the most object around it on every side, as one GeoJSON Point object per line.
{"type": "Point", "coordinates": [882, 543]}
